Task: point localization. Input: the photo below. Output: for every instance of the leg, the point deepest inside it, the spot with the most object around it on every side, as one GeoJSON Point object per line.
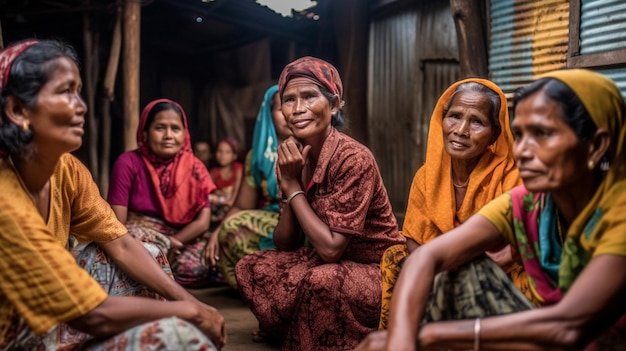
{"type": "Point", "coordinates": [390, 266]}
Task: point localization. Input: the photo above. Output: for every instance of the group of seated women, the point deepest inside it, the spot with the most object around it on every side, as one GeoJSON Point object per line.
{"type": "Point", "coordinates": [532, 209]}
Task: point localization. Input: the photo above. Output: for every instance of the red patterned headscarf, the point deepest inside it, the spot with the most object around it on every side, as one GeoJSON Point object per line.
{"type": "Point", "coordinates": [8, 56]}
{"type": "Point", "coordinates": [182, 183]}
{"type": "Point", "coordinates": [318, 70]}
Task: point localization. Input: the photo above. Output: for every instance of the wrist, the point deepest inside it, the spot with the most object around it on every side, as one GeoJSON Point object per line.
{"type": "Point", "coordinates": [292, 195]}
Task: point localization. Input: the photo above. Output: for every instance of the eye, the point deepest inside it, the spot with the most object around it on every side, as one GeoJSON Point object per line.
{"type": "Point", "coordinates": [517, 134]}
{"type": "Point", "coordinates": [477, 122]}
{"type": "Point", "coordinates": [288, 99]}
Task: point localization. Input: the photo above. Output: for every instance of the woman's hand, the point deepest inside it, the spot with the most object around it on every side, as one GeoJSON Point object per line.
{"type": "Point", "coordinates": [211, 323]}
{"type": "Point", "coordinates": [211, 250]}
{"type": "Point", "coordinates": [291, 159]}
{"type": "Point", "coordinates": [503, 257]}
{"type": "Point", "coordinates": [175, 247]}
{"type": "Point", "coordinates": [373, 341]}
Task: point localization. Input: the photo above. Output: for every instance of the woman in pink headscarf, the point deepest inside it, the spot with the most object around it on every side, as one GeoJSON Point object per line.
{"type": "Point", "coordinates": [321, 288]}
{"type": "Point", "coordinates": [160, 191]}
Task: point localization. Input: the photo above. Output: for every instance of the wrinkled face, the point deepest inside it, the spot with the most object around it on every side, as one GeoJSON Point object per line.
{"type": "Point", "coordinates": [307, 111]}
{"type": "Point", "coordinates": [225, 155]}
{"type": "Point", "coordinates": [166, 134]}
{"type": "Point", "coordinates": [467, 128]}
{"type": "Point", "coordinates": [58, 117]}
{"type": "Point", "coordinates": [280, 123]}
{"type": "Point", "coordinates": [548, 153]}
{"type": "Point", "coordinates": [202, 151]}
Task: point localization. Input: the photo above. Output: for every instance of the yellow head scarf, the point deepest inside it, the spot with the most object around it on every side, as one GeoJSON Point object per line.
{"type": "Point", "coordinates": [602, 220]}
{"type": "Point", "coordinates": [431, 207]}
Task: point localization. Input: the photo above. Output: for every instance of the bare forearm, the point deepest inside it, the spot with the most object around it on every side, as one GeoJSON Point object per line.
{"type": "Point", "coordinates": [117, 314]}
{"type": "Point", "coordinates": [191, 231]}
{"type": "Point", "coordinates": [287, 234]}
{"type": "Point", "coordinates": [132, 258]}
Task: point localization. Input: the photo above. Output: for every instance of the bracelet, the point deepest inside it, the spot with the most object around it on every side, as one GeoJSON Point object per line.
{"type": "Point", "coordinates": [477, 334]}
{"type": "Point", "coordinates": [294, 194]}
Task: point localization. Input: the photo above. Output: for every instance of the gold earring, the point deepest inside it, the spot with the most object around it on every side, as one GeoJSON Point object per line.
{"type": "Point", "coordinates": [25, 126]}
{"type": "Point", "coordinates": [591, 165]}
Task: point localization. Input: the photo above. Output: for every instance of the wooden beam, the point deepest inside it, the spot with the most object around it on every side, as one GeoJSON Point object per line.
{"type": "Point", "coordinates": [470, 35]}
{"type": "Point", "coordinates": [131, 52]}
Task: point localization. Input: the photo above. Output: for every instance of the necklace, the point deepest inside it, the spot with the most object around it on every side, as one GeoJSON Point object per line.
{"type": "Point", "coordinates": [19, 178]}
{"type": "Point", "coordinates": [460, 185]}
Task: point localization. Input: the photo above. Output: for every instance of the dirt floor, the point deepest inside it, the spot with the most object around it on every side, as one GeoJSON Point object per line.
{"type": "Point", "coordinates": [240, 322]}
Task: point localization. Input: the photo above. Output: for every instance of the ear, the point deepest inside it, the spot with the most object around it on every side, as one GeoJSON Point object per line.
{"type": "Point", "coordinates": [336, 105]}
{"type": "Point", "coordinates": [16, 110]}
{"type": "Point", "coordinates": [599, 145]}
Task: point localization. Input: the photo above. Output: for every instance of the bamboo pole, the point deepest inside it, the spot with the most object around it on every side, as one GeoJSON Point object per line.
{"type": "Point", "coordinates": [91, 75]}
{"type": "Point", "coordinates": [131, 52]}
{"type": "Point", "coordinates": [108, 87]}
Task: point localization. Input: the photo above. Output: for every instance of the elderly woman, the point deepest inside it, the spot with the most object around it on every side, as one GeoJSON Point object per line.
{"type": "Point", "coordinates": [566, 222]}
{"type": "Point", "coordinates": [46, 195]}
{"type": "Point", "coordinates": [326, 296]}
{"type": "Point", "coordinates": [250, 222]}
{"type": "Point", "coordinates": [469, 162]}
{"type": "Point", "coordinates": [160, 191]}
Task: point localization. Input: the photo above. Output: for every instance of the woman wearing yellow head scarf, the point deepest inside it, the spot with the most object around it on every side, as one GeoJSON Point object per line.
{"type": "Point", "coordinates": [469, 162]}
{"type": "Point", "coordinates": [566, 222]}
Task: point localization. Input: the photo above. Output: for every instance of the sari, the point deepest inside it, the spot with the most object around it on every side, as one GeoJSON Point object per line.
{"type": "Point", "coordinates": [431, 209]}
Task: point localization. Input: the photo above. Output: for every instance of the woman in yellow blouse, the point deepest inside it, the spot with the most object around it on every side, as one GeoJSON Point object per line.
{"type": "Point", "coordinates": [46, 298]}
{"type": "Point", "coordinates": [566, 223]}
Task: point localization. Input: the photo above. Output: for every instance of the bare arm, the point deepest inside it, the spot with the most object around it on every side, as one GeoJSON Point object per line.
{"type": "Point", "coordinates": [592, 305]}
{"type": "Point", "coordinates": [329, 245]}
{"type": "Point", "coordinates": [121, 212]}
{"type": "Point", "coordinates": [195, 228]}
{"type": "Point", "coordinates": [412, 290]}
{"type": "Point", "coordinates": [236, 186]}
{"type": "Point", "coordinates": [119, 313]}
{"type": "Point", "coordinates": [247, 199]}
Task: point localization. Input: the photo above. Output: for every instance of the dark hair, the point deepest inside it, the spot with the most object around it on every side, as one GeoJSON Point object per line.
{"type": "Point", "coordinates": [338, 120]}
{"type": "Point", "coordinates": [29, 72]}
{"type": "Point", "coordinates": [573, 111]}
{"type": "Point", "coordinates": [161, 106]}
{"type": "Point", "coordinates": [491, 95]}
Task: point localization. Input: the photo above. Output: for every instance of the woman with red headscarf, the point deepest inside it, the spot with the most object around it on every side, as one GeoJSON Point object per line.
{"type": "Point", "coordinates": [321, 288]}
{"type": "Point", "coordinates": [160, 191]}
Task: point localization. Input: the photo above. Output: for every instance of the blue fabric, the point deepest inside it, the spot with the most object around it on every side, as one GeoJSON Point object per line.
{"type": "Point", "coordinates": [549, 243]}
{"type": "Point", "coordinates": [265, 147]}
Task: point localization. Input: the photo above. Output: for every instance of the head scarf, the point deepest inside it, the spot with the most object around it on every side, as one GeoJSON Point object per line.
{"type": "Point", "coordinates": [605, 211]}
{"type": "Point", "coordinates": [182, 183]}
{"type": "Point", "coordinates": [231, 142]}
{"type": "Point", "coordinates": [318, 70]}
{"type": "Point", "coordinates": [8, 56]}
{"type": "Point", "coordinates": [431, 208]}
{"type": "Point", "coordinates": [265, 147]}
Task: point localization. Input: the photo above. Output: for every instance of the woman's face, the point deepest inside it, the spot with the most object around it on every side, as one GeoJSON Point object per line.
{"type": "Point", "coordinates": [467, 128]}
{"type": "Point", "coordinates": [280, 123]}
{"type": "Point", "coordinates": [548, 153]}
{"type": "Point", "coordinates": [307, 111]}
{"type": "Point", "coordinates": [166, 134]}
{"type": "Point", "coordinates": [58, 117]}
{"type": "Point", "coordinates": [225, 155]}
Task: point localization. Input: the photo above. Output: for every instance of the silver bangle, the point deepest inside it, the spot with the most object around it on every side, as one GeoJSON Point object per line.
{"type": "Point", "coordinates": [294, 194]}
{"type": "Point", "coordinates": [477, 334]}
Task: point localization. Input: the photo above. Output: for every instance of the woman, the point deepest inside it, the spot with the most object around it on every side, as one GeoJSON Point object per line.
{"type": "Point", "coordinates": [48, 194]}
{"type": "Point", "coordinates": [227, 176]}
{"type": "Point", "coordinates": [469, 162]}
{"type": "Point", "coordinates": [327, 296]}
{"type": "Point", "coordinates": [250, 222]}
{"type": "Point", "coordinates": [566, 222]}
{"type": "Point", "coordinates": [160, 191]}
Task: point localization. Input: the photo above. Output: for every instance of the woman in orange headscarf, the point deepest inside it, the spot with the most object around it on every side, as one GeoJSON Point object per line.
{"type": "Point", "coordinates": [469, 162]}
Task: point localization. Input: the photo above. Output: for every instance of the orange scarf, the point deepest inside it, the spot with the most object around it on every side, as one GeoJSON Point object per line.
{"type": "Point", "coordinates": [431, 208]}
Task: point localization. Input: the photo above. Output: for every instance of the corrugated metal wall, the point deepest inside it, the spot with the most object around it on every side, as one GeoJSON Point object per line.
{"type": "Point", "coordinates": [412, 58]}
{"type": "Point", "coordinates": [528, 38]}
{"type": "Point", "coordinates": [602, 29]}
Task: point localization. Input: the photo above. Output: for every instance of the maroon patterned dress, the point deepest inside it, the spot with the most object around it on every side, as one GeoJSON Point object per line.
{"type": "Point", "coordinates": [314, 305]}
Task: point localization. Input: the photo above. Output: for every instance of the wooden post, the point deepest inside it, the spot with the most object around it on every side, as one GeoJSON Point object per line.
{"type": "Point", "coordinates": [468, 19]}
{"type": "Point", "coordinates": [108, 86]}
{"type": "Point", "coordinates": [90, 41]}
{"type": "Point", "coordinates": [1, 38]}
{"type": "Point", "coordinates": [132, 26]}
